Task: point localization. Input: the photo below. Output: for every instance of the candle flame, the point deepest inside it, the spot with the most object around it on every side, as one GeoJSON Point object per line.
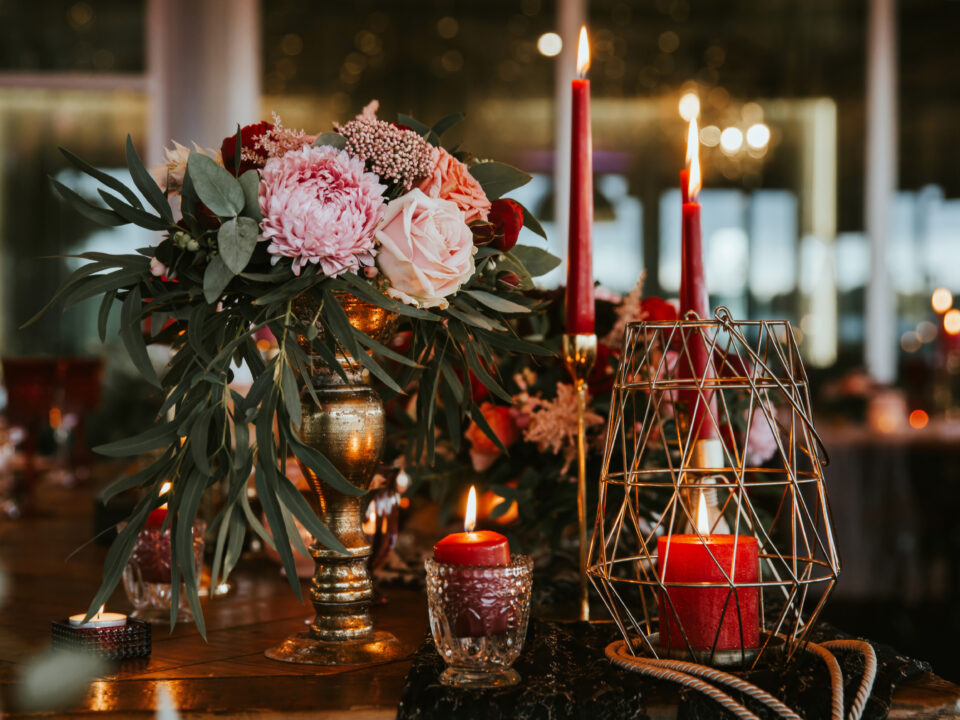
{"type": "Point", "coordinates": [703, 517]}
{"type": "Point", "coordinates": [164, 489]}
{"type": "Point", "coordinates": [100, 612]}
{"type": "Point", "coordinates": [583, 53]}
{"type": "Point", "coordinates": [693, 160]}
{"type": "Point", "coordinates": [470, 517]}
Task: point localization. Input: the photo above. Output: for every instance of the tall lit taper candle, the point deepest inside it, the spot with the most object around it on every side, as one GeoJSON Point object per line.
{"type": "Point", "coordinates": [580, 340]}
{"type": "Point", "coordinates": [695, 361]}
{"type": "Point", "coordinates": [580, 302]}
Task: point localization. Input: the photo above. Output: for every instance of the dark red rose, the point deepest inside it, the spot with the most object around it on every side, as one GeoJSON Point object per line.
{"type": "Point", "coordinates": [507, 219]}
{"type": "Point", "coordinates": [249, 136]}
{"type": "Point", "coordinates": [483, 233]}
{"type": "Point", "coordinates": [654, 309]}
{"type": "Point", "coordinates": [600, 381]}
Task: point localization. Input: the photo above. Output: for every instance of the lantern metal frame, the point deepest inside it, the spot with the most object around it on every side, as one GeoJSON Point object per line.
{"type": "Point", "coordinates": [652, 466]}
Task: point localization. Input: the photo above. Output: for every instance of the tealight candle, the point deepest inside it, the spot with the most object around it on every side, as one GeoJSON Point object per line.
{"type": "Point", "coordinates": [100, 620]}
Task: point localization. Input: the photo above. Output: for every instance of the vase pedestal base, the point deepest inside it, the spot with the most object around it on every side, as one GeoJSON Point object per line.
{"type": "Point", "coordinates": [304, 649]}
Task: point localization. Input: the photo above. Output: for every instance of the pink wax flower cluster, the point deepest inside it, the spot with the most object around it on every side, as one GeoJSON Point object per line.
{"type": "Point", "coordinates": [320, 206]}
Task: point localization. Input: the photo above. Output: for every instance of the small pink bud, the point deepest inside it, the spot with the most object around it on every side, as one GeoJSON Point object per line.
{"type": "Point", "coordinates": [370, 271]}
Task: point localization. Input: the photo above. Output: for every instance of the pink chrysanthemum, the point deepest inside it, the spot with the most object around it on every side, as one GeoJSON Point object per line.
{"type": "Point", "coordinates": [397, 154]}
{"type": "Point", "coordinates": [320, 206]}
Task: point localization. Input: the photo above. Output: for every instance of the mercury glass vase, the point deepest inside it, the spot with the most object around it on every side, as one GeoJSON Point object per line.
{"type": "Point", "coordinates": [348, 427]}
{"type": "Point", "coordinates": [478, 618]}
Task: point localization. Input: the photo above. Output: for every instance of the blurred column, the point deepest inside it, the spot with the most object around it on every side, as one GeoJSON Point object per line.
{"type": "Point", "coordinates": [571, 14]}
{"type": "Point", "coordinates": [204, 66]}
{"type": "Point", "coordinates": [880, 351]}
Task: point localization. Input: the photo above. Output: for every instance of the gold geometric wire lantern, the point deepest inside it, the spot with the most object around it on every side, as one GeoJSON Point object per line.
{"type": "Point", "coordinates": [760, 476]}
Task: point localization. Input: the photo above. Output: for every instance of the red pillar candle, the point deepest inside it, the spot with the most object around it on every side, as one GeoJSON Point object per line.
{"type": "Point", "coordinates": [476, 601]}
{"type": "Point", "coordinates": [711, 614]}
{"type": "Point", "coordinates": [684, 186]}
{"type": "Point", "coordinates": [694, 363]}
{"type": "Point", "coordinates": [580, 302]}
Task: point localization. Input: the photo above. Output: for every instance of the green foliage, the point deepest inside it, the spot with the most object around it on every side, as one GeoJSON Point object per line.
{"type": "Point", "coordinates": [218, 289]}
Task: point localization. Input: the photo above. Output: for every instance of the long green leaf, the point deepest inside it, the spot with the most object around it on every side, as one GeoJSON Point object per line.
{"type": "Point", "coordinates": [495, 302]}
{"type": "Point", "coordinates": [485, 377]}
{"type": "Point", "coordinates": [333, 139]}
{"type": "Point", "coordinates": [132, 336]}
{"type": "Point", "coordinates": [154, 437]}
{"type": "Point", "coordinates": [447, 122]}
{"type": "Point", "coordinates": [381, 349]}
{"type": "Point", "coordinates": [319, 464]}
{"type": "Point", "coordinates": [186, 559]}
{"type": "Point", "coordinates": [267, 491]}
{"type": "Point", "coordinates": [531, 223]}
{"type": "Point", "coordinates": [107, 179]}
{"type": "Point", "coordinates": [146, 184]}
{"type": "Point", "coordinates": [294, 500]}
{"type": "Point", "coordinates": [291, 394]}
{"type": "Point", "coordinates": [132, 214]}
{"type": "Point", "coordinates": [536, 261]}
{"type": "Point", "coordinates": [99, 215]}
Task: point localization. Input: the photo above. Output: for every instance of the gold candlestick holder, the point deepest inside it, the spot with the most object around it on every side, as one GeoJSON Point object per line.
{"type": "Point", "coordinates": [579, 355]}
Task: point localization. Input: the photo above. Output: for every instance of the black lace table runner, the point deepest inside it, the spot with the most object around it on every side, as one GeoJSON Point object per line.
{"type": "Point", "coordinates": [566, 675]}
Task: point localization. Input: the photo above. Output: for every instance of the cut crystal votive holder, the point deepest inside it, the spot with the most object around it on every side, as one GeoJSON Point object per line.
{"type": "Point", "coordinates": [478, 618]}
{"type": "Point", "coordinates": [146, 577]}
{"type": "Point", "coordinates": [116, 643]}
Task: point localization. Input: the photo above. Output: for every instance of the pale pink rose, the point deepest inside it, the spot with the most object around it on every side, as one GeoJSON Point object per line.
{"type": "Point", "coordinates": [319, 205]}
{"type": "Point", "coordinates": [426, 249]}
{"type": "Point", "coordinates": [450, 180]}
{"type": "Point", "coordinates": [761, 441]}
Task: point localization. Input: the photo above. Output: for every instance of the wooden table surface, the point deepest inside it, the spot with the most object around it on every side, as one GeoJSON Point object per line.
{"type": "Point", "coordinates": [228, 676]}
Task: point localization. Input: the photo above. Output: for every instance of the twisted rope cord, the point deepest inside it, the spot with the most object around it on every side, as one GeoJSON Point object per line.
{"type": "Point", "coordinates": [618, 652]}
{"type": "Point", "coordinates": [689, 674]}
{"type": "Point", "coordinates": [869, 672]}
{"type": "Point", "coordinates": [653, 668]}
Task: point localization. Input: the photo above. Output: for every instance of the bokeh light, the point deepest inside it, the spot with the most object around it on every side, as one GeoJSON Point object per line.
{"type": "Point", "coordinates": [919, 419]}
{"type": "Point", "coordinates": [758, 136]}
{"type": "Point", "coordinates": [710, 136]}
{"type": "Point", "coordinates": [689, 106]}
{"type": "Point", "coordinates": [550, 44]}
{"type": "Point", "coordinates": [941, 300]}
{"type": "Point", "coordinates": [951, 322]}
{"type": "Point", "coordinates": [731, 140]}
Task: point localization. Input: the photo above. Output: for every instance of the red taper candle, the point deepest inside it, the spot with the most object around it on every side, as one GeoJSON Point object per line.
{"type": "Point", "coordinates": [693, 295]}
{"type": "Point", "coordinates": [580, 302]}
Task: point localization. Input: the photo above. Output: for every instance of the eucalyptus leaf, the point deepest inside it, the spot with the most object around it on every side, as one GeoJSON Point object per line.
{"type": "Point", "coordinates": [236, 240]}
{"type": "Point", "coordinates": [215, 279]}
{"type": "Point", "coordinates": [216, 187]}
{"type": "Point", "coordinates": [531, 223]}
{"type": "Point", "coordinates": [536, 261]}
{"type": "Point", "coordinates": [250, 182]}
{"type": "Point", "coordinates": [497, 179]}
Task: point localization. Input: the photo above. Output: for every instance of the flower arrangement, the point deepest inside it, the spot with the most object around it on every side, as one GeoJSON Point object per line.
{"type": "Point", "coordinates": [375, 209]}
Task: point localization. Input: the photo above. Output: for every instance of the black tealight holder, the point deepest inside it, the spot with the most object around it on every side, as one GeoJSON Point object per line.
{"type": "Point", "coordinates": [116, 643]}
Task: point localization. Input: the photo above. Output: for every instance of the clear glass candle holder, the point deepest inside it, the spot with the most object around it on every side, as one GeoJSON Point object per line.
{"type": "Point", "coordinates": [146, 577]}
{"type": "Point", "coordinates": [478, 617]}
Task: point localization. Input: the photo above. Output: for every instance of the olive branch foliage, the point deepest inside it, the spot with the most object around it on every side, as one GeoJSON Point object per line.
{"type": "Point", "coordinates": [221, 289]}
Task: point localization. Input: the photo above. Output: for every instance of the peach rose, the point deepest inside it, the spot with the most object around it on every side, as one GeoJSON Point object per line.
{"type": "Point", "coordinates": [502, 420]}
{"type": "Point", "coordinates": [426, 249]}
{"type": "Point", "coordinates": [450, 180]}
